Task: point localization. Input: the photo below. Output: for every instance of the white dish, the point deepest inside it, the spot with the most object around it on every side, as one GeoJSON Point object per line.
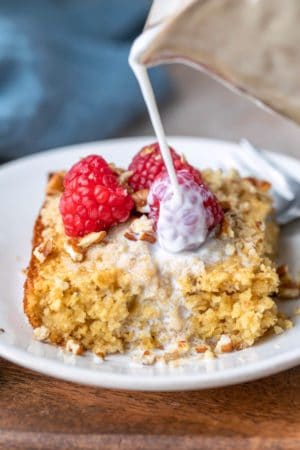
{"type": "Point", "coordinates": [21, 193]}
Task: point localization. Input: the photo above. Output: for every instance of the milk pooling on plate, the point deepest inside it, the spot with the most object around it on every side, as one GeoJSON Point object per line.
{"type": "Point", "coordinates": [172, 229]}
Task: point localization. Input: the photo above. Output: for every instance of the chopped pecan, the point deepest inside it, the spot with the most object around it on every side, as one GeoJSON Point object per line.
{"type": "Point", "coordinates": [74, 251]}
{"type": "Point", "coordinates": [148, 237]}
{"type": "Point", "coordinates": [141, 224]}
{"type": "Point", "coordinates": [43, 250]}
{"type": "Point", "coordinates": [124, 177]}
{"type": "Point", "coordinates": [262, 185]}
{"type": "Point", "coordinates": [140, 199]}
{"type": "Point", "coordinates": [226, 348]}
{"type": "Point", "coordinates": [224, 344]}
{"type": "Point", "coordinates": [130, 236]}
{"type": "Point", "coordinates": [201, 348]}
{"type": "Point", "coordinates": [148, 358]}
{"type": "Point", "coordinates": [56, 183]}
{"type": "Point", "coordinates": [91, 239]}
{"type": "Point", "coordinates": [147, 151]}
{"type": "Point", "coordinates": [182, 344]}
{"type": "Point", "coordinates": [141, 229]}
{"type": "Point", "coordinates": [41, 333]}
{"type": "Point", "coordinates": [117, 170]}
{"type": "Point", "coordinates": [74, 347]}
{"type": "Point", "coordinates": [278, 330]}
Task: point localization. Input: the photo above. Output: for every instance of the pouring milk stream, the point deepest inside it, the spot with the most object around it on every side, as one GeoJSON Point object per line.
{"type": "Point", "coordinates": [141, 74]}
{"type": "Point", "coordinates": [180, 205]}
{"type": "Point", "coordinates": [253, 46]}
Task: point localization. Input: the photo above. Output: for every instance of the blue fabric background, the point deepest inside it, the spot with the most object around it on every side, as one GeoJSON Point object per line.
{"type": "Point", "coordinates": [64, 75]}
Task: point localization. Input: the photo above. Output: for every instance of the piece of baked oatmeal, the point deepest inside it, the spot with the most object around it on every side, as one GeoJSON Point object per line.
{"type": "Point", "coordinates": [118, 290]}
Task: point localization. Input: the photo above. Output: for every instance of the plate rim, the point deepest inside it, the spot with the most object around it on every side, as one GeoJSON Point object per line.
{"type": "Point", "coordinates": [79, 375]}
{"type": "Point", "coordinates": [58, 369]}
{"type": "Point", "coordinates": [135, 140]}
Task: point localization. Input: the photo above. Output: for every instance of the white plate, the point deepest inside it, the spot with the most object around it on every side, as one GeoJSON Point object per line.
{"type": "Point", "coordinates": [21, 192]}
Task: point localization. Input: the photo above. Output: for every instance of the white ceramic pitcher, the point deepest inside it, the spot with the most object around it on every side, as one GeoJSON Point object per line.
{"type": "Point", "coordinates": [251, 45]}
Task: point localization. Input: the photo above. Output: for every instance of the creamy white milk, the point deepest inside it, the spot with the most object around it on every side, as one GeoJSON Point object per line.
{"type": "Point", "coordinates": [181, 226]}
{"type": "Point", "coordinates": [173, 233]}
{"type": "Point", "coordinates": [141, 74]}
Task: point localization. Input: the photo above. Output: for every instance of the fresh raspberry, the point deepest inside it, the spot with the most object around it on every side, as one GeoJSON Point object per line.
{"type": "Point", "coordinates": [148, 164]}
{"type": "Point", "coordinates": [184, 225]}
{"type": "Point", "coordinates": [92, 199]}
{"type": "Point", "coordinates": [93, 167]}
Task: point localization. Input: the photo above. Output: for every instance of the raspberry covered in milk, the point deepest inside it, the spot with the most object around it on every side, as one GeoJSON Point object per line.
{"type": "Point", "coordinates": [184, 222]}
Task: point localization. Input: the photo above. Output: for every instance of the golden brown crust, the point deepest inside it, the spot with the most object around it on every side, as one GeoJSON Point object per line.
{"type": "Point", "coordinates": [32, 273]}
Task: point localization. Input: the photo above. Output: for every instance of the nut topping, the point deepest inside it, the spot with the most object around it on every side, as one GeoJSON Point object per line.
{"type": "Point", "coordinates": [224, 345]}
{"type": "Point", "coordinates": [73, 347]}
{"type": "Point", "coordinates": [141, 225]}
{"type": "Point", "coordinates": [91, 239]}
{"type": "Point", "coordinates": [148, 237]}
{"type": "Point", "coordinates": [147, 150]}
{"type": "Point", "coordinates": [116, 169]}
{"type": "Point", "coordinates": [226, 348]}
{"type": "Point", "coordinates": [43, 250]}
{"type": "Point", "coordinates": [141, 230]}
{"type": "Point", "coordinates": [124, 177]}
{"type": "Point", "coordinates": [262, 185]}
{"type": "Point", "coordinates": [201, 348]}
{"type": "Point", "coordinates": [56, 183]}
{"type": "Point", "coordinates": [74, 251]}
{"type": "Point", "coordinates": [41, 333]}
{"type": "Point", "coordinates": [140, 199]}
{"type": "Point", "coordinates": [130, 236]}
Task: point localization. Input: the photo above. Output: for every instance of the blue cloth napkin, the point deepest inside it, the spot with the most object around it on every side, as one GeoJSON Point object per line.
{"type": "Point", "coordinates": [64, 74]}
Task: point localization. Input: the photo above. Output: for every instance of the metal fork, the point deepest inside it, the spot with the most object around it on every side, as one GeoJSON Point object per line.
{"type": "Point", "coordinates": [285, 187]}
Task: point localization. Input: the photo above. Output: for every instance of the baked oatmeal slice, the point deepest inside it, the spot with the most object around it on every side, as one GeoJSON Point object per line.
{"type": "Point", "coordinates": [117, 291]}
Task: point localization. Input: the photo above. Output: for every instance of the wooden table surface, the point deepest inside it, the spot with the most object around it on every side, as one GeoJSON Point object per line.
{"type": "Point", "coordinates": [37, 412]}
